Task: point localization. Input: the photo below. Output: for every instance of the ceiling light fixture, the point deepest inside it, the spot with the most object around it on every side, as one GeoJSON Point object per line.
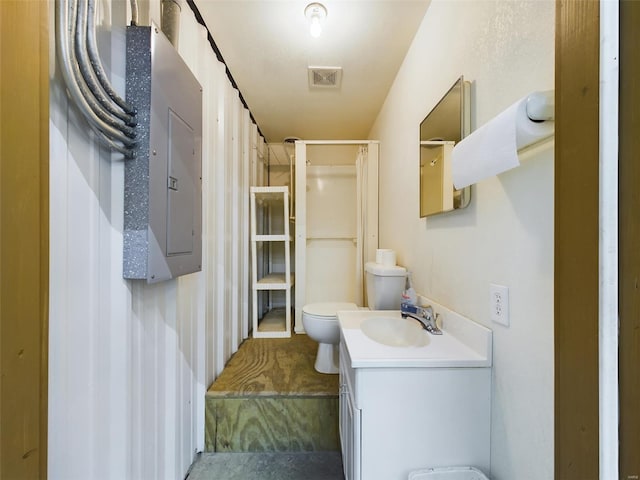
{"type": "Point", "coordinates": [316, 13]}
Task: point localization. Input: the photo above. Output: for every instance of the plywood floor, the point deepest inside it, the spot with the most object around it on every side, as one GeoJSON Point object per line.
{"type": "Point", "coordinates": [274, 367]}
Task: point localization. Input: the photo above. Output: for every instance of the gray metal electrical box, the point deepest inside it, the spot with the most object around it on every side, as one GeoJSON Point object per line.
{"type": "Point", "coordinates": [163, 182]}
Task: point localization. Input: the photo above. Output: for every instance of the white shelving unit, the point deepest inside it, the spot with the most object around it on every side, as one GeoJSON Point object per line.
{"type": "Point", "coordinates": [270, 232]}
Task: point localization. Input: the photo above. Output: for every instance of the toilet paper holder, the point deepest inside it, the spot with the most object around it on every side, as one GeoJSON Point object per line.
{"type": "Point", "coordinates": [541, 106]}
{"type": "Point", "coordinates": [493, 148]}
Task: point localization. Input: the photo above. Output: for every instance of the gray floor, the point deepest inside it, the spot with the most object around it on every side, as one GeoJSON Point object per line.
{"type": "Point", "coordinates": [267, 466]}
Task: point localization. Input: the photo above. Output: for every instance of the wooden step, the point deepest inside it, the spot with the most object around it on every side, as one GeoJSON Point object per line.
{"type": "Point", "coordinates": [269, 398]}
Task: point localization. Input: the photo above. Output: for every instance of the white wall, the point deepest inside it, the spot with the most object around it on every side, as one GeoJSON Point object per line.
{"type": "Point", "coordinates": [331, 233]}
{"type": "Point", "coordinates": [130, 362]}
{"type": "Point", "coordinates": [506, 48]}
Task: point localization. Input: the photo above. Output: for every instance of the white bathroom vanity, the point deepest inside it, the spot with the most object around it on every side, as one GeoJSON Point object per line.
{"type": "Point", "coordinates": [408, 407]}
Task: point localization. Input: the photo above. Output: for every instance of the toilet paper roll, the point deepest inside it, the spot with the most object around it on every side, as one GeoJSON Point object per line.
{"type": "Point", "coordinates": [386, 257]}
{"type": "Point", "coordinates": [493, 148]}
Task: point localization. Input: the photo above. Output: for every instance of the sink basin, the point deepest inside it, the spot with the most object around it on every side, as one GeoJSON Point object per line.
{"type": "Point", "coordinates": [366, 335]}
{"type": "Point", "coordinates": [395, 332]}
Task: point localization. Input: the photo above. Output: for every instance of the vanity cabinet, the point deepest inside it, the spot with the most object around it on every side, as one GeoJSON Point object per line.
{"type": "Point", "coordinates": [394, 420]}
{"type": "Point", "coordinates": [349, 420]}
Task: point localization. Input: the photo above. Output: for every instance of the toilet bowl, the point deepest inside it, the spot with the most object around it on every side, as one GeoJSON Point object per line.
{"type": "Point", "coordinates": [320, 321]}
{"type": "Point", "coordinates": [384, 286]}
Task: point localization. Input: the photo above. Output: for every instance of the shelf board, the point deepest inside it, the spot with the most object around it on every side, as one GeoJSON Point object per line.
{"type": "Point", "coordinates": [274, 281]}
{"type": "Point", "coordinates": [272, 190]}
{"type": "Point", "coordinates": [271, 238]}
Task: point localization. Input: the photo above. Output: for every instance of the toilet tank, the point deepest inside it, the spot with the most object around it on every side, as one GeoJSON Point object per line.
{"type": "Point", "coordinates": [384, 286]}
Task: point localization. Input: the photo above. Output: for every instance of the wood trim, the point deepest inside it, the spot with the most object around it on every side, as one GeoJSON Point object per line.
{"type": "Point", "coordinates": [629, 231]}
{"type": "Point", "coordinates": [576, 240]}
{"type": "Point", "coordinates": [24, 243]}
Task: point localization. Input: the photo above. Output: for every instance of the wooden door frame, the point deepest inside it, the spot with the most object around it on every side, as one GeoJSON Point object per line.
{"type": "Point", "coordinates": [577, 436]}
{"type": "Point", "coordinates": [629, 232]}
{"type": "Point", "coordinates": [576, 277]}
{"type": "Point", "coordinates": [24, 237]}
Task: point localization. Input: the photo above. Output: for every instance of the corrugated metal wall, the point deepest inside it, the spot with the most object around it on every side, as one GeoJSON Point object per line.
{"type": "Point", "coordinates": [130, 362]}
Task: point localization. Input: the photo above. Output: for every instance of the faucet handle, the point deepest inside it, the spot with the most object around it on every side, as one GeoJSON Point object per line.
{"type": "Point", "coordinates": [427, 312]}
{"type": "Point", "coordinates": [433, 325]}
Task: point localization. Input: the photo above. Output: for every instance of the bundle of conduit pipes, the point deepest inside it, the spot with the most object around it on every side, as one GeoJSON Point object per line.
{"type": "Point", "coordinates": [110, 117]}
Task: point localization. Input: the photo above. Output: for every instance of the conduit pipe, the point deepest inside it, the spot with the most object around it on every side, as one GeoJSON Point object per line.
{"type": "Point", "coordinates": [96, 63]}
{"type": "Point", "coordinates": [108, 127]}
{"type": "Point", "coordinates": [106, 106]}
{"type": "Point", "coordinates": [134, 12]}
{"type": "Point", "coordinates": [170, 20]}
{"type": "Point", "coordinates": [82, 69]}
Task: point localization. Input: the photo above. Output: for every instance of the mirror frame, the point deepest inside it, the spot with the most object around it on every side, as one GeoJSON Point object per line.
{"type": "Point", "coordinates": [448, 121]}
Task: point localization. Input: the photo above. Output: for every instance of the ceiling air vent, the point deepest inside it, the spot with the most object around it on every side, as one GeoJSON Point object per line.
{"type": "Point", "coordinates": [325, 77]}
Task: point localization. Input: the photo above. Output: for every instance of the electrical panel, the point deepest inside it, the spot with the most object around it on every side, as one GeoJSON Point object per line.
{"type": "Point", "coordinates": [163, 180]}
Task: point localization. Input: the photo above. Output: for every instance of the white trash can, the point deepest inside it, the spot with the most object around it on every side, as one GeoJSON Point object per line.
{"type": "Point", "coordinates": [448, 473]}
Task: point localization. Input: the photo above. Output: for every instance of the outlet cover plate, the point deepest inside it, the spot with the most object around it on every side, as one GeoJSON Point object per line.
{"type": "Point", "coordinates": [499, 304]}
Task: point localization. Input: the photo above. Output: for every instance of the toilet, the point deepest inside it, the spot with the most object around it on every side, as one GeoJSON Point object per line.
{"type": "Point", "coordinates": [320, 320]}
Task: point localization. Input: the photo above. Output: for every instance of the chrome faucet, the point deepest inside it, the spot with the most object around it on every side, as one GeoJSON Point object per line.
{"type": "Point", "coordinates": [425, 315]}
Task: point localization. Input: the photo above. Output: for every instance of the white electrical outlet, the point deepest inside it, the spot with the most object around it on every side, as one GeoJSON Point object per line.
{"type": "Point", "coordinates": [499, 304]}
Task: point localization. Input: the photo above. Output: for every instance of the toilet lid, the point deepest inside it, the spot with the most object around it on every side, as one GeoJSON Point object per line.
{"type": "Point", "coordinates": [383, 271]}
{"type": "Point", "coordinates": [328, 309]}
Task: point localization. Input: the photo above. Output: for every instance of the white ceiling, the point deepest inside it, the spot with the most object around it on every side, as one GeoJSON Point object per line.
{"type": "Point", "coordinates": [267, 47]}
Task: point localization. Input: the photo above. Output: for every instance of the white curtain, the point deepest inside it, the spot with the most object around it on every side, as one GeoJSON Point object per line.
{"type": "Point", "coordinates": [361, 220]}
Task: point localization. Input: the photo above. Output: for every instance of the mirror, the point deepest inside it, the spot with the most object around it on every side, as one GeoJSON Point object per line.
{"type": "Point", "coordinates": [447, 124]}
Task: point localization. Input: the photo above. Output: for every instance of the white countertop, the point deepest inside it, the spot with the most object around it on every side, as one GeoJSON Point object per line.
{"type": "Point", "coordinates": [463, 343]}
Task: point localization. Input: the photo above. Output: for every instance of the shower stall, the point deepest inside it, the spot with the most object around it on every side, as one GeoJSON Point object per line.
{"type": "Point", "coordinates": [336, 220]}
